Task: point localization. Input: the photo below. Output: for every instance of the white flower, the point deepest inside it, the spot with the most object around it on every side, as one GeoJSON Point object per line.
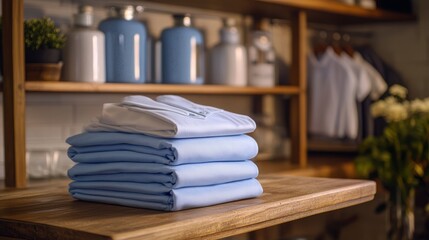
{"type": "Point", "coordinates": [378, 108]}
{"type": "Point", "coordinates": [398, 90]}
{"type": "Point", "coordinates": [418, 106]}
{"type": "Point", "coordinates": [395, 112]}
{"type": "Point", "coordinates": [390, 100]}
{"type": "Point", "coordinates": [406, 104]}
{"type": "Point", "coordinates": [426, 103]}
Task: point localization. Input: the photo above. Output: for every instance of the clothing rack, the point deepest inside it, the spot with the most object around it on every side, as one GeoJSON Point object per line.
{"type": "Point", "coordinates": [341, 40]}
{"type": "Point", "coordinates": [329, 34]}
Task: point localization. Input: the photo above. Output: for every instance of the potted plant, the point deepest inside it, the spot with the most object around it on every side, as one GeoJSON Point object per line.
{"type": "Point", "coordinates": [399, 157]}
{"type": "Point", "coordinates": [43, 44]}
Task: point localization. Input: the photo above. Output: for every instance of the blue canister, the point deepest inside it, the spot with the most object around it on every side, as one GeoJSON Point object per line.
{"type": "Point", "coordinates": [125, 46]}
{"type": "Point", "coordinates": [182, 55]}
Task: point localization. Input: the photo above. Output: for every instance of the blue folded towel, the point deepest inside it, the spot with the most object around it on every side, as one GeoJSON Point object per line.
{"type": "Point", "coordinates": [131, 194]}
{"type": "Point", "coordinates": [95, 147]}
{"type": "Point", "coordinates": [186, 175]}
{"type": "Point", "coordinates": [195, 155]}
{"type": "Point", "coordinates": [170, 116]}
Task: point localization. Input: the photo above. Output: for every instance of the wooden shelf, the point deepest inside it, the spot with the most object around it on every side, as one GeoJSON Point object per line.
{"type": "Point", "coordinates": [74, 87]}
{"type": "Point", "coordinates": [328, 11]}
{"type": "Point", "coordinates": [318, 11]}
{"type": "Point", "coordinates": [50, 212]}
{"type": "Point", "coordinates": [298, 12]}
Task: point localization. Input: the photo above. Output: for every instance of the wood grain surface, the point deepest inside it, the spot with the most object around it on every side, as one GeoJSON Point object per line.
{"type": "Point", "coordinates": [40, 86]}
{"type": "Point", "coordinates": [50, 213]}
{"type": "Point", "coordinates": [319, 11]}
{"type": "Point", "coordinates": [14, 93]}
{"type": "Point", "coordinates": [298, 104]}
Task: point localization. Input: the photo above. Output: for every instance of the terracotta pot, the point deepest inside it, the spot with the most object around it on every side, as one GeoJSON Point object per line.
{"type": "Point", "coordinates": [43, 72]}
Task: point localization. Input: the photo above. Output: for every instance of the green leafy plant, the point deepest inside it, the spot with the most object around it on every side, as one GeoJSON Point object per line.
{"type": "Point", "coordinates": [42, 34]}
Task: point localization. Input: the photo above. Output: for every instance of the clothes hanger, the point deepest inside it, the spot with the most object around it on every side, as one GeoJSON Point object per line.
{"type": "Point", "coordinates": [347, 47]}
{"type": "Point", "coordinates": [320, 43]}
{"type": "Point", "coordinates": [335, 43]}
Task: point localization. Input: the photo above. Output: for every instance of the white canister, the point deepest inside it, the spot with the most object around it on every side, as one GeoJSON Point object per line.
{"type": "Point", "coordinates": [262, 58]}
{"type": "Point", "coordinates": [84, 51]}
{"type": "Point", "coordinates": [229, 58]}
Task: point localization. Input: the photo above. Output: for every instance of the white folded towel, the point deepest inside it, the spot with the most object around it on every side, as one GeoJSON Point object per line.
{"type": "Point", "coordinates": [170, 116]}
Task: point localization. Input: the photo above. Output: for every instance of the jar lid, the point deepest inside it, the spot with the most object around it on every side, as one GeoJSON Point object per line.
{"type": "Point", "coordinates": [229, 22]}
{"type": "Point", "coordinates": [261, 24]}
{"type": "Point", "coordinates": [182, 20]}
{"type": "Point", "coordinates": [126, 12]}
{"type": "Point", "coordinates": [85, 16]}
{"type": "Point", "coordinates": [229, 33]}
{"type": "Point", "coordinates": [86, 9]}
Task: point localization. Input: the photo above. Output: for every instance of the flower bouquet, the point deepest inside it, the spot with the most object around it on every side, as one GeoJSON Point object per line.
{"type": "Point", "coordinates": [399, 157]}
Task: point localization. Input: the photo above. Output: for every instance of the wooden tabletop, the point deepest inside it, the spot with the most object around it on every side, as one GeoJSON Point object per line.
{"type": "Point", "coordinates": [50, 213]}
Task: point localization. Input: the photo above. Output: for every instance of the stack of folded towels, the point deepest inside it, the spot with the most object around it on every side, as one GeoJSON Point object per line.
{"type": "Point", "coordinates": [165, 154]}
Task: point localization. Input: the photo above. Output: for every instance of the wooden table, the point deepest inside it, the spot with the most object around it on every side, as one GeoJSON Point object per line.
{"type": "Point", "coordinates": [50, 213]}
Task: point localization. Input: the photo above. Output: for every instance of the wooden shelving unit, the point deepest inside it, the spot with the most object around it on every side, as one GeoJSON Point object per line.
{"type": "Point", "coordinates": [73, 87]}
{"type": "Point", "coordinates": [299, 12]}
{"type": "Point", "coordinates": [318, 11]}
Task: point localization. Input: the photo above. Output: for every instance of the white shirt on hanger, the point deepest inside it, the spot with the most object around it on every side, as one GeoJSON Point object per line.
{"type": "Point", "coordinates": [378, 84]}
{"type": "Point", "coordinates": [357, 91]}
{"type": "Point", "coordinates": [327, 79]}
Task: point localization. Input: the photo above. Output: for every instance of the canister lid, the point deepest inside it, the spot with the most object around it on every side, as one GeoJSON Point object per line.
{"type": "Point", "coordinates": [126, 12]}
{"type": "Point", "coordinates": [229, 22]}
{"type": "Point", "coordinates": [261, 24]}
{"type": "Point", "coordinates": [229, 33]}
{"type": "Point", "coordinates": [182, 20]}
{"type": "Point", "coordinates": [85, 16]}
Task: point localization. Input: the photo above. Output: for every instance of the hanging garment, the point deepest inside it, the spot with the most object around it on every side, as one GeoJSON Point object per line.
{"type": "Point", "coordinates": [389, 74]}
{"type": "Point", "coordinates": [353, 95]}
{"type": "Point", "coordinates": [93, 147]}
{"type": "Point", "coordinates": [170, 116]}
{"type": "Point", "coordinates": [135, 195]}
{"type": "Point", "coordinates": [154, 174]}
{"type": "Point", "coordinates": [329, 80]}
{"type": "Point", "coordinates": [378, 84]}
{"type": "Point", "coordinates": [378, 88]}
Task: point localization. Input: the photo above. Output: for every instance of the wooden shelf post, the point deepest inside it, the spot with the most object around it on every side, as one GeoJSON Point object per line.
{"type": "Point", "coordinates": [298, 114]}
{"type": "Point", "coordinates": [14, 93]}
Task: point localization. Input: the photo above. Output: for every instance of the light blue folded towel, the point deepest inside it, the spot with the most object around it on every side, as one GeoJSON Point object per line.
{"type": "Point", "coordinates": [92, 147]}
{"type": "Point", "coordinates": [132, 195]}
{"type": "Point", "coordinates": [186, 175]}
{"type": "Point", "coordinates": [170, 116]}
